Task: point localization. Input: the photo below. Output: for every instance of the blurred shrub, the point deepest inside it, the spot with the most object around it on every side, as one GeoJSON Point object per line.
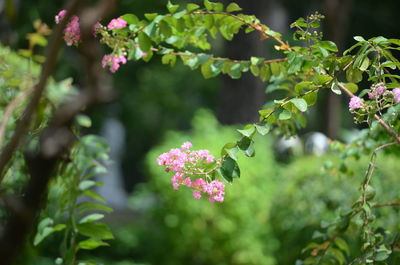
{"type": "Point", "coordinates": [177, 229]}
{"type": "Point", "coordinates": [311, 191]}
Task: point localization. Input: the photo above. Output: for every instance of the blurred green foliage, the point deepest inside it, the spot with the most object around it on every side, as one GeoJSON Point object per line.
{"type": "Point", "coordinates": [174, 228]}
{"type": "Point", "coordinates": [268, 216]}
{"type": "Point", "coordinates": [313, 192]}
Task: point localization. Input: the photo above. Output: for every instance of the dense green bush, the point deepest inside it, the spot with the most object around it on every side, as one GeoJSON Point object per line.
{"type": "Point", "coordinates": [177, 229]}
{"type": "Point", "coordinates": [312, 189]}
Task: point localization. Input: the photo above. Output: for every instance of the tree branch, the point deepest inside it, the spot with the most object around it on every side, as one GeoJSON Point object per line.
{"type": "Point", "coordinates": [56, 139]}
{"type": "Point", "coordinates": [23, 125]}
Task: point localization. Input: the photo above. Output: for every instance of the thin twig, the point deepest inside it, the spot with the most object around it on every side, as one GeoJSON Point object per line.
{"type": "Point", "coordinates": [277, 60]}
{"type": "Point", "coordinates": [393, 204]}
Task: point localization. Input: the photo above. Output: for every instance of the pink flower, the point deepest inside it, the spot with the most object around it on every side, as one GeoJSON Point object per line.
{"type": "Point", "coordinates": [60, 16]}
{"type": "Point", "coordinates": [355, 103]}
{"type": "Point", "coordinates": [377, 90]}
{"type": "Point", "coordinates": [113, 62]}
{"type": "Point", "coordinates": [188, 164]}
{"type": "Point", "coordinates": [117, 23]}
{"type": "Point", "coordinates": [216, 191]}
{"type": "Point", "coordinates": [96, 28]}
{"type": "Point", "coordinates": [196, 194]}
{"type": "Point", "coordinates": [72, 32]}
{"type": "Point", "coordinates": [396, 94]}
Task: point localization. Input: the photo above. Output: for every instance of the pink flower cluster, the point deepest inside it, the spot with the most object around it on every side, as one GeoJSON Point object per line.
{"type": "Point", "coordinates": [72, 32]}
{"type": "Point", "coordinates": [377, 90]}
{"type": "Point", "coordinates": [396, 94]}
{"type": "Point", "coordinates": [188, 164]}
{"type": "Point", "coordinates": [117, 23]}
{"type": "Point", "coordinates": [113, 61]}
{"type": "Point", "coordinates": [355, 103]}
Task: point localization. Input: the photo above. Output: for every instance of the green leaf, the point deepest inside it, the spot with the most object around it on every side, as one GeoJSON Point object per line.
{"type": "Point", "coordinates": [84, 120]}
{"type": "Point", "coordinates": [232, 7]}
{"type": "Point", "coordinates": [256, 60]}
{"type": "Point", "coordinates": [324, 79]}
{"type": "Point", "coordinates": [285, 115]}
{"type": "Point", "coordinates": [364, 64]}
{"type": "Point", "coordinates": [352, 87]}
{"type": "Point", "coordinates": [208, 5]}
{"type": "Point", "coordinates": [300, 104]}
{"type": "Point", "coordinates": [165, 29]}
{"type": "Point", "coordinates": [169, 59]}
{"type": "Point", "coordinates": [230, 169]}
{"type": "Point", "coordinates": [335, 88]}
{"type": "Point", "coordinates": [94, 195]}
{"type": "Point", "coordinates": [231, 150]}
{"type": "Point", "coordinates": [302, 86]}
{"type": "Point", "coordinates": [86, 184]}
{"type": "Point", "coordinates": [265, 72]}
{"type": "Point", "coordinates": [311, 98]}
{"type": "Point", "coordinates": [248, 130]}
{"type": "Point", "coordinates": [263, 129]}
{"type": "Point", "coordinates": [91, 218]}
{"type": "Point", "coordinates": [328, 45]}
{"type": "Point", "coordinates": [342, 245]}
{"type": "Point", "coordinates": [150, 16]}
{"type": "Point", "coordinates": [191, 7]}
{"type": "Point", "coordinates": [353, 75]}
{"type": "Point", "coordinates": [359, 38]}
{"type": "Point", "coordinates": [255, 70]}
{"type": "Point", "coordinates": [210, 69]}
{"type": "Point", "coordinates": [97, 231]}
{"type": "Point", "coordinates": [180, 14]}
{"type": "Point", "coordinates": [172, 8]}
{"type": "Point", "coordinates": [234, 71]}
{"type": "Point", "coordinates": [84, 207]}
{"type": "Point", "coordinates": [45, 232]}
{"type": "Point", "coordinates": [275, 69]}
{"type": "Point", "coordinates": [247, 146]}
{"type": "Point", "coordinates": [91, 244]}
{"type": "Point", "coordinates": [130, 18]}
{"type": "Point", "coordinates": [144, 42]}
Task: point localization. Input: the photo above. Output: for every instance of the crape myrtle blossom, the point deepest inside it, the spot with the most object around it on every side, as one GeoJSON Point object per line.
{"type": "Point", "coordinates": [72, 34]}
{"type": "Point", "coordinates": [377, 90]}
{"type": "Point", "coordinates": [396, 94]}
{"type": "Point", "coordinates": [113, 61]}
{"type": "Point", "coordinates": [188, 166]}
{"type": "Point", "coordinates": [117, 23]}
{"type": "Point", "coordinates": [355, 103]}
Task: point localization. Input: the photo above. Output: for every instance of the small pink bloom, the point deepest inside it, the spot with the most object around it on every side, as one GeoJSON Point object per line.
{"type": "Point", "coordinates": [380, 89]}
{"type": "Point", "coordinates": [117, 23]}
{"type": "Point", "coordinates": [355, 103]}
{"type": "Point", "coordinates": [396, 94]}
{"type": "Point", "coordinates": [96, 28]}
{"type": "Point", "coordinates": [60, 16]}
{"type": "Point", "coordinates": [113, 62]}
{"type": "Point", "coordinates": [72, 32]}
{"type": "Point", "coordinates": [187, 182]}
{"type": "Point", "coordinates": [186, 146]}
{"type": "Point", "coordinates": [196, 194]}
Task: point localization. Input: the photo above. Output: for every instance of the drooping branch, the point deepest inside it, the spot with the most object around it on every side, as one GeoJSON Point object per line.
{"type": "Point", "coordinates": [56, 139]}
